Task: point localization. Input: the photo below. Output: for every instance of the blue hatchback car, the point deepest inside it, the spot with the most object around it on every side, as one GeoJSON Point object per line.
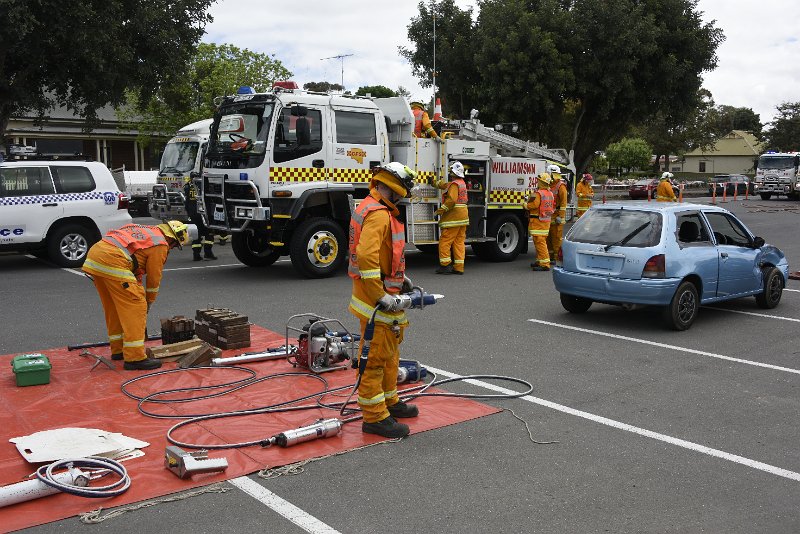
{"type": "Point", "coordinates": [678, 256]}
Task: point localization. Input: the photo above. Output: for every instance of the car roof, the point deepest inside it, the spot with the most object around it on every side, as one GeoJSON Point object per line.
{"type": "Point", "coordinates": [661, 207]}
{"type": "Point", "coordinates": [69, 163]}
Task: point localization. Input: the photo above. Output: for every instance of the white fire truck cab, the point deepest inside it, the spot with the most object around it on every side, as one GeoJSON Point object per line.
{"type": "Point", "coordinates": [284, 169]}
{"type": "Point", "coordinates": [777, 174]}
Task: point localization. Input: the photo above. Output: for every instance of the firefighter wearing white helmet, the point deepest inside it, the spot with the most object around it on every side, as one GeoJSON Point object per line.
{"type": "Point", "coordinates": [585, 194]}
{"type": "Point", "coordinates": [540, 210]}
{"type": "Point", "coordinates": [556, 233]}
{"type": "Point", "coordinates": [453, 222]}
{"type": "Point", "coordinates": [377, 267]}
{"type": "Point", "coordinates": [117, 265]}
{"type": "Point", "coordinates": [665, 193]}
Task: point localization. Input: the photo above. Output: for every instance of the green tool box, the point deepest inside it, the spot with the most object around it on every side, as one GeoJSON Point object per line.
{"type": "Point", "coordinates": [31, 369]}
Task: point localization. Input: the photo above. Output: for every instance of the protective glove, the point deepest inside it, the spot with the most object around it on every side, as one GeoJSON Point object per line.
{"type": "Point", "coordinates": [387, 303]}
{"type": "Point", "coordinates": [559, 220]}
{"type": "Point", "coordinates": [438, 213]}
{"type": "Point", "coordinates": [407, 285]}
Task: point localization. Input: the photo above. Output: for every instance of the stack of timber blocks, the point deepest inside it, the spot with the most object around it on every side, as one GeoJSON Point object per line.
{"type": "Point", "coordinates": [223, 328]}
{"type": "Point", "coordinates": [178, 328]}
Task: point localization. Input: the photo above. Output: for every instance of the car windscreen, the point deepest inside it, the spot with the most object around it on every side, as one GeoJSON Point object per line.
{"type": "Point", "coordinates": [605, 227]}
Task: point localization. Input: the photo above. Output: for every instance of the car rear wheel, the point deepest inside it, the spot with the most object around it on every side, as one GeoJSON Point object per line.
{"type": "Point", "coordinates": [682, 311]}
{"type": "Point", "coordinates": [68, 245]}
{"type": "Point", "coordinates": [773, 289]}
{"type": "Point", "coordinates": [575, 304]}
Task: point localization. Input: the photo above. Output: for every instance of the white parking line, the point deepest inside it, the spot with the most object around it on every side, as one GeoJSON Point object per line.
{"type": "Point", "coordinates": [753, 313]}
{"type": "Point", "coordinates": [671, 347]}
{"type": "Point", "coordinates": [215, 266]}
{"type": "Point", "coordinates": [792, 290]}
{"type": "Point", "coordinates": [299, 517]}
{"type": "Point", "coordinates": [761, 466]}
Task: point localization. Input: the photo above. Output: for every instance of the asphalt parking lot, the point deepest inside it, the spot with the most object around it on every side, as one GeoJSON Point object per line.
{"type": "Point", "coordinates": [657, 431]}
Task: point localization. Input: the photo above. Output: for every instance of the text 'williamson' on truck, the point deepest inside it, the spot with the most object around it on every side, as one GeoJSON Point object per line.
{"type": "Point", "coordinates": [777, 174]}
{"type": "Point", "coordinates": [283, 170]}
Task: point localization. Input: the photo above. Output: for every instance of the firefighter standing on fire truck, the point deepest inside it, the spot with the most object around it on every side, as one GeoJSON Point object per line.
{"type": "Point", "coordinates": [540, 208]}
{"type": "Point", "coordinates": [559, 190]}
{"type": "Point", "coordinates": [422, 123]}
{"type": "Point", "coordinates": [116, 265]}
{"type": "Point", "coordinates": [585, 194]}
{"type": "Point", "coordinates": [453, 221]}
{"type": "Point", "coordinates": [377, 267]}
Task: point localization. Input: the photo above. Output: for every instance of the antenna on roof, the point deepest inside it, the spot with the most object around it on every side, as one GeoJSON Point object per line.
{"type": "Point", "coordinates": [341, 58]}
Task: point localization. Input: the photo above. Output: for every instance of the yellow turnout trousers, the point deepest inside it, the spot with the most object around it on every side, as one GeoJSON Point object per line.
{"type": "Point", "coordinates": [126, 316]}
{"type": "Point", "coordinates": [554, 240]}
{"type": "Point", "coordinates": [378, 388]}
{"type": "Point", "coordinates": [538, 231]}
{"type": "Point", "coordinates": [453, 237]}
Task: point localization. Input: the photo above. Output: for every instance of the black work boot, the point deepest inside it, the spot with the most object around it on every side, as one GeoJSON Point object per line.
{"type": "Point", "coordinates": [196, 252]}
{"type": "Point", "coordinates": [445, 269]}
{"type": "Point", "coordinates": [148, 364]}
{"type": "Point", "coordinates": [388, 428]}
{"type": "Point", "coordinates": [117, 356]}
{"type": "Point", "coordinates": [401, 410]}
{"type": "Point", "coordinates": [209, 254]}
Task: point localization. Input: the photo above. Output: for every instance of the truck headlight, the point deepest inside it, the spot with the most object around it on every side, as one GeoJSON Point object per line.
{"type": "Point", "coordinates": [244, 213]}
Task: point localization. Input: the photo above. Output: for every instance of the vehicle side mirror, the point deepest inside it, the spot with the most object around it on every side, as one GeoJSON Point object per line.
{"type": "Point", "coordinates": [193, 175]}
{"type": "Point", "coordinates": [758, 242]}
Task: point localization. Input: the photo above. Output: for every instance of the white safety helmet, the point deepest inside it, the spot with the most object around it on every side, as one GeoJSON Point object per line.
{"type": "Point", "coordinates": [398, 177]}
{"type": "Point", "coordinates": [457, 168]}
{"type": "Point", "coordinates": [553, 168]}
{"type": "Point", "coordinates": [667, 176]}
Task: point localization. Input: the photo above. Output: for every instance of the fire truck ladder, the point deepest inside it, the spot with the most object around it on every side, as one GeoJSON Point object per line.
{"type": "Point", "coordinates": [473, 129]}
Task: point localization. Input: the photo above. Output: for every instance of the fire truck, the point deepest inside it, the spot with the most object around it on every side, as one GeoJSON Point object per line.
{"type": "Point", "coordinates": [777, 174]}
{"type": "Point", "coordinates": [284, 169]}
{"type": "Point", "coordinates": [182, 160]}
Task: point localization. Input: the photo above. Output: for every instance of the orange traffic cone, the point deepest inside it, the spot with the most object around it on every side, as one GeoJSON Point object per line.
{"type": "Point", "coordinates": [437, 110]}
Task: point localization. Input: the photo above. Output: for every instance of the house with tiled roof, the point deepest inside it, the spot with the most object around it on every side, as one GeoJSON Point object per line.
{"type": "Point", "coordinates": [734, 153]}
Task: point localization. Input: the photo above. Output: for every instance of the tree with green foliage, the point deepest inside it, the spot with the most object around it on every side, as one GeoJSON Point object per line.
{"type": "Point", "coordinates": [577, 74]}
{"type": "Point", "coordinates": [85, 54]}
{"type": "Point", "coordinates": [724, 118]}
{"type": "Point", "coordinates": [629, 153]}
{"type": "Point", "coordinates": [214, 71]}
{"type": "Point", "coordinates": [377, 91]}
{"type": "Point", "coordinates": [784, 131]}
{"type": "Point", "coordinates": [322, 87]}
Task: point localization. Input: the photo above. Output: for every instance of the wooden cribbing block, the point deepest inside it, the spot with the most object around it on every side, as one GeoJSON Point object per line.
{"type": "Point", "coordinates": [202, 355]}
{"type": "Point", "coordinates": [173, 349]}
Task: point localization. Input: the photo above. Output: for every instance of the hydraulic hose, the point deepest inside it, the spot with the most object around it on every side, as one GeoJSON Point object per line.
{"type": "Point", "coordinates": [369, 332]}
{"type": "Point", "coordinates": [46, 474]}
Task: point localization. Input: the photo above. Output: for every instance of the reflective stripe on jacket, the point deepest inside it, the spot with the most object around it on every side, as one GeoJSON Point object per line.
{"type": "Point", "coordinates": [454, 205]}
{"type": "Point", "coordinates": [585, 194]}
{"type": "Point", "coordinates": [559, 190]}
{"type": "Point", "coordinates": [540, 208]}
{"type": "Point", "coordinates": [422, 124]}
{"type": "Point", "coordinates": [133, 237]}
{"type": "Point", "coordinates": [392, 281]}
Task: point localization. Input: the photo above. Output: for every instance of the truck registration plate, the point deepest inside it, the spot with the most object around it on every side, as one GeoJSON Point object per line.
{"type": "Point", "coordinates": [219, 213]}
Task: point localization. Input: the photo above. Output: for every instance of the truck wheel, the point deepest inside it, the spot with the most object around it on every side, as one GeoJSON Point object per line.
{"type": "Point", "coordinates": [253, 249]}
{"type": "Point", "coordinates": [68, 245]}
{"type": "Point", "coordinates": [575, 304]}
{"type": "Point", "coordinates": [507, 229]}
{"type": "Point", "coordinates": [318, 247]}
{"type": "Point", "coordinates": [765, 196]}
{"type": "Point", "coordinates": [773, 289]}
{"type": "Point", "coordinates": [682, 311]}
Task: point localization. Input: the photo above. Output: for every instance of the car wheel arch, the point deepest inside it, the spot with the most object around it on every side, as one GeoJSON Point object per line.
{"type": "Point", "coordinates": [86, 222]}
{"type": "Point", "coordinates": [696, 281]}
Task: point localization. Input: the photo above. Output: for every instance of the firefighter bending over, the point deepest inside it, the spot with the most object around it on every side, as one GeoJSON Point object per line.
{"type": "Point", "coordinates": [453, 222]}
{"type": "Point", "coordinates": [540, 207]}
{"type": "Point", "coordinates": [585, 194]}
{"type": "Point", "coordinates": [377, 267]}
{"type": "Point", "coordinates": [422, 123]}
{"type": "Point", "coordinates": [664, 193]}
{"type": "Point", "coordinates": [559, 190]}
{"type": "Point", "coordinates": [117, 264]}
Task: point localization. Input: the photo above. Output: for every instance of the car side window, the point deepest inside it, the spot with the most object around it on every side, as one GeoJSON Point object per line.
{"type": "Point", "coordinates": [727, 230]}
{"type": "Point", "coordinates": [692, 229]}
{"type": "Point", "coordinates": [73, 179]}
{"type": "Point", "coordinates": [25, 181]}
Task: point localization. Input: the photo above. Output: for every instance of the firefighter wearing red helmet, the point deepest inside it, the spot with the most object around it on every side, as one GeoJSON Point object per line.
{"type": "Point", "coordinates": [585, 194]}
{"type": "Point", "coordinates": [377, 267]}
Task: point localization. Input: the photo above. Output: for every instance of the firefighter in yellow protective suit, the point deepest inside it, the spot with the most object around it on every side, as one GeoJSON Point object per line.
{"type": "Point", "coordinates": [556, 233]}
{"type": "Point", "coordinates": [540, 209]}
{"type": "Point", "coordinates": [377, 267]}
{"type": "Point", "coordinates": [422, 123]}
{"type": "Point", "coordinates": [585, 194]}
{"type": "Point", "coordinates": [453, 222]}
{"type": "Point", "coordinates": [664, 193]}
{"type": "Point", "coordinates": [117, 264]}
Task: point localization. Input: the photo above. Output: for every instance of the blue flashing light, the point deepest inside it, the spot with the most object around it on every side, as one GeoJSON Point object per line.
{"type": "Point", "coordinates": [245, 90]}
{"type": "Point", "coordinates": [243, 176]}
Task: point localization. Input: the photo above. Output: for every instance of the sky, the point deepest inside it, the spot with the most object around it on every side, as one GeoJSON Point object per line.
{"type": "Point", "coordinates": [758, 61]}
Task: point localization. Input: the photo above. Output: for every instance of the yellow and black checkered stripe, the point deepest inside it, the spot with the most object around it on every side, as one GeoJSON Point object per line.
{"type": "Point", "coordinates": [351, 175]}
{"type": "Point", "coordinates": [424, 177]}
{"type": "Point", "coordinates": [297, 174]}
{"type": "Point", "coordinates": [506, 197]}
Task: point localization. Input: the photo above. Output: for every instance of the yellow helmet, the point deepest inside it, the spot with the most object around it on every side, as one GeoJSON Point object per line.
{"type": "Point", "coordinates": [544, 178]}
{"type": "Point", "coordinates": [417, 104]}
{"type": "Point", "coordinates": [176, 230]}
{"type": "Point", "coordinates": [398, 177]}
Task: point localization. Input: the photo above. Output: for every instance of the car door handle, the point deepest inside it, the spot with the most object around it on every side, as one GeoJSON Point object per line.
{"type": "Point", "coordinates": [318, 163]}
{"type": "Point", "coordinates": [723, 255]}
{"type": "Point", "coordinates": [50, 205]}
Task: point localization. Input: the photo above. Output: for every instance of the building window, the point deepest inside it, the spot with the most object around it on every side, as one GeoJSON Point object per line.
{"type": "Point", "coordinates": [702, 166]}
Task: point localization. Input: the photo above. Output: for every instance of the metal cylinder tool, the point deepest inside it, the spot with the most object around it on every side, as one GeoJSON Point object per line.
{"type": "Point", "coordinates": [323, 428]}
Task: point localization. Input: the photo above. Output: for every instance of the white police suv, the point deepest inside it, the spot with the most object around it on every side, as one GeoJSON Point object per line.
{"type": "Point", "coordinates": [58, 208]}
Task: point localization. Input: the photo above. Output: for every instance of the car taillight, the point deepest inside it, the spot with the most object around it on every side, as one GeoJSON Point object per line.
{"type": "Point", "coordinates": [655, 267]}
{"type": "Point", "coordinates": [560, 258]}
{"type": "Point", "coordinates": [122, 201]}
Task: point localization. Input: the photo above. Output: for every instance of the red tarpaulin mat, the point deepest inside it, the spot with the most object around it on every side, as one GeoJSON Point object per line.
{"type": "Point", "coordinates": [76, 397]}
